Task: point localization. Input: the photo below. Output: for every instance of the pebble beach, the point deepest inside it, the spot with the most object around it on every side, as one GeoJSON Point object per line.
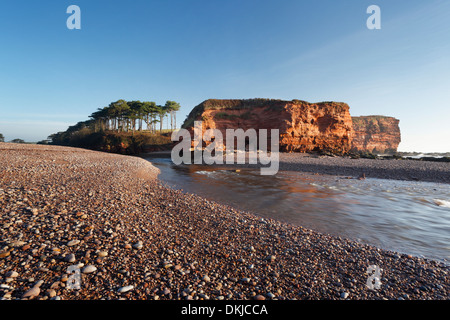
{"type": "Point", "coordinates": [405, 169]}
{"type": "Point", "coordinates": [133, 238]}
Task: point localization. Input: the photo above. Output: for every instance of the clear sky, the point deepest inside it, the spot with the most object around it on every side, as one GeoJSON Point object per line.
{"type": "Point", "coordinates": [192, 50]}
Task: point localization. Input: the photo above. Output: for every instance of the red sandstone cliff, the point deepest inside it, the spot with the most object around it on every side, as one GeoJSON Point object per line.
{"type": "Point", "coordinates": [303, 126]}
{"type": "Point", "coordinates": [376, 134]}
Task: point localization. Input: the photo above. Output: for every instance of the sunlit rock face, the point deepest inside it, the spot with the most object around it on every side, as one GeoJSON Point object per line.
{"type": "Point", "coordinates": [376, 134]}
{"type": "Point", "coordinates": [303, 126]}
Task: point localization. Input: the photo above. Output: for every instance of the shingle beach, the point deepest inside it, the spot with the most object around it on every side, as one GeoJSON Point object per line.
{"type": "Point", "coordinates": [134, 238]}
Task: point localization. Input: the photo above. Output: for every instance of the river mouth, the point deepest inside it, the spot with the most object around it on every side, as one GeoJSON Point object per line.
{"type": "Point", "coordinates": [410, 217]}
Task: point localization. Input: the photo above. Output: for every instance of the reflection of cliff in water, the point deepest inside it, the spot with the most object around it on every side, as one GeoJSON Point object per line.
{"type": "Point", "coordinates": [398, 215]}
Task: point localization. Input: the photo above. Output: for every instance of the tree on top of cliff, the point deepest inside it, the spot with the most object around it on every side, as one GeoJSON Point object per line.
{"type": "Point", "coordinates": [172, 107]}
{"type": "Point", "coordinates": [17, 141]}
{"type": "Point", "coordinates": [150, 111]}
{"type": "Point", "coordinates": [127, 115]}
{"type": "Point", "coordinates": [162, 111]}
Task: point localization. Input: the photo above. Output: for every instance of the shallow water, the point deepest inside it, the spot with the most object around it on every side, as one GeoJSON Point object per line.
{"type": "Point", "coordinates": [405, 216]}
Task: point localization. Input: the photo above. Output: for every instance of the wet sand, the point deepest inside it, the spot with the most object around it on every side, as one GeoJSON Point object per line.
{"type": "Point", "coordinates": [134, 238]}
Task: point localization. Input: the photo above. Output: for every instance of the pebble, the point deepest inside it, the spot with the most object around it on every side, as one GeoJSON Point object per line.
{"type": "Point", "coordinates": [17, 244]}
{"type": "Point", "coordinates": [12, 274]}
{"type": "Point", "coordinates": [344, 295]}
{"type": "Point", "coordinates": [5, 287]}
{"type": "Point", "coordinates": [270, 295]}
{"type": "Point", "coordinates": [103, 254]}
{"type": "Point", "coordinates": [89, 269]}
{"type": "Point", "coordinates": [51, 293]}
{"type": "Point", "coordinates": [4, 254]}
{"type": "Point", "coordinates": [73, 243]}
{"type": "Point", "coordinates": [125, 289]}
{"type": "Point", "coordinates": [69, 258]}
{"type": "Point", "coordinates": [34, 291]}
{"type": "Point", "coordinates": [139, 245]}
{"type": "Point", "coordinates": [203, 296]}
{"type": "Point", "coordinates": [245, 280]}
{"type": "Point", "coordinates": [206, 278]}
{"type": "Point", "coordinates": [6, 296]}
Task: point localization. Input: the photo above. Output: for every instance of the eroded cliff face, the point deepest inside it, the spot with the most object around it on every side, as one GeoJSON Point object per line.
{"type": "Point", "coordinates": [376, 134]}
{"type": "Point", "coordinates": [303, 126]}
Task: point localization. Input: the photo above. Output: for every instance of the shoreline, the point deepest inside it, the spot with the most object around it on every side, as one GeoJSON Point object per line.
{"type": "Point", "coordinates": [110, 211]}
{"type": "Point", "coordinates": [406, 169]}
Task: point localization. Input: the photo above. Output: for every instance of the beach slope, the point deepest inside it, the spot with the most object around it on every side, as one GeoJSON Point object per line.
{"type": "Point", "coordinates": [131, 237]}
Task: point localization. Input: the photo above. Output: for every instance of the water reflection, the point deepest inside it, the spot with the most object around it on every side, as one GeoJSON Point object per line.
{"type": "Point", "coordinates": [398, 215]}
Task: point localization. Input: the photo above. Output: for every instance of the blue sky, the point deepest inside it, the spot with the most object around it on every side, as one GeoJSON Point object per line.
{"type": "Point", "coordinates": [192, 50]}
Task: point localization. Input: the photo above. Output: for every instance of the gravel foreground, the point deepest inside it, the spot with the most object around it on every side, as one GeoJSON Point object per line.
{"type": "Point", "coordinates": [134, 238]}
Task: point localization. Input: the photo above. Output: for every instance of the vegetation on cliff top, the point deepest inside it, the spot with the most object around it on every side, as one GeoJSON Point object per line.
{"type": "Point", "coordinates": [119, 128]}
{"type": "Point", "coordinates": [116, 142]}
{"type": "Point", "coordinates": [2, 139]}
{"type": "Point", "coordinates": [364, 120]}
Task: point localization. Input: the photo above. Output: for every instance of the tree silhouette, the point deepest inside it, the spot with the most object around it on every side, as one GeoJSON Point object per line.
{"type": "Point", "coordinates": [162, 111]}
{"type": "Point", "coordinates": [124, 116]}
{"type": "Point", "coordinates": [172, 107]}
{"type": "Point", "coordinates": [17, 141]}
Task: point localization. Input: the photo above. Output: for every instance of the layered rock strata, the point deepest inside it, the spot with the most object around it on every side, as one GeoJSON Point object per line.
{"type": "Point", "coordinates": [377, 134]}
{"type": "Point", "coordinates": [303, 126]}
